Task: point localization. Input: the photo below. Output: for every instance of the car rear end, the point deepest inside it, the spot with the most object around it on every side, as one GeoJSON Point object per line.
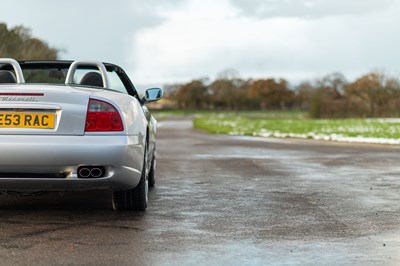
{"type": "Point", "coordinates": [58, 137]}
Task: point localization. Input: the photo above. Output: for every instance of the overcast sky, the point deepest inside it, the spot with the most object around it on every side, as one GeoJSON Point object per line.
{"type": "Point", "coordinates": [160, 42]}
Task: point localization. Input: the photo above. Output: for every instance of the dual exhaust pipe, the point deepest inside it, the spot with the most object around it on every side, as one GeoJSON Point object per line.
{"type": "Point", "coordinates": [91, 172]}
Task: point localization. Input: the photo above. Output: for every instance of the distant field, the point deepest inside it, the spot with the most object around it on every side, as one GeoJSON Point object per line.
{"type": "Point", "coordinates": [162, 114]}
{"type": "Point", "coordinates": [294, 125]}
{"type": "Point", "coordinates": [280, 125]}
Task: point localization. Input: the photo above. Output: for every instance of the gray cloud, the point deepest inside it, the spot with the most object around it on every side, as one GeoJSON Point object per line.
{"type": "Point", "coordinates": [100, 30]}
{"type": "Point", "coordinates": [350, 36]}
{"type": "Point", "coordinates": [310, 9]}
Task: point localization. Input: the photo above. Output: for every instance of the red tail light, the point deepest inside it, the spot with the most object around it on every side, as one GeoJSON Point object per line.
{"type": "Point", "coordinates": [102, 116]}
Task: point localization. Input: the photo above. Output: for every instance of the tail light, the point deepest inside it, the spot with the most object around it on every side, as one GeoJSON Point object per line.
{"type": "Point", "coordinates": [102, 116]}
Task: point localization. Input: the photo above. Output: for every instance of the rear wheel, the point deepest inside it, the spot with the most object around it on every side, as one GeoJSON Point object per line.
{"type": "Point", "coordinates": [133, 199]}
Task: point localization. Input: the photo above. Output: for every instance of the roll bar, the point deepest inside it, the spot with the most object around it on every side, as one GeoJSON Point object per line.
{"type": "Point", "coordinates": [16, 67]}
{"type": "Point", "coordinates": [74, 66]}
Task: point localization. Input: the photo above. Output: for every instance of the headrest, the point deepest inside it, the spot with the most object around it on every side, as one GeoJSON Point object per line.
{"type": "Point", "coordinates": [92, 79]}
{"type": "Point", "coordinates": [7, 77]}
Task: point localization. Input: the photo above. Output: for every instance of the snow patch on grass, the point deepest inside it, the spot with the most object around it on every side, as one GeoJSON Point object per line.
{"type": "Point", "coordinates": [330, 137]}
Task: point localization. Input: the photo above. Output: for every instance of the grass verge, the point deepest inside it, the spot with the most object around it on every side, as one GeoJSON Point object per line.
{"type": "Point", "coordinates": [272, 125]}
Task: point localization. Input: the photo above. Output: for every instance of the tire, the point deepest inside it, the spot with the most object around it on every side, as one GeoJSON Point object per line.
{"type": "Point", "coordinates": [133, 199]}
{"type": "Point", "coordinates": [152, 172]}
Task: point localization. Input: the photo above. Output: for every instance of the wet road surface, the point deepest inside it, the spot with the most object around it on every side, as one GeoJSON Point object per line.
{"type": "Point", "coordinates": [222, 200]}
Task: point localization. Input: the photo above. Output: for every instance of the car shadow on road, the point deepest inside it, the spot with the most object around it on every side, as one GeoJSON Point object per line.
{"type": "Point", "coordinates": [87, 201]}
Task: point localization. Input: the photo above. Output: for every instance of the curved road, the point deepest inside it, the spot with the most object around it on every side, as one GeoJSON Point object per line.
{"type": "Point", "coordinates": [223, 200]}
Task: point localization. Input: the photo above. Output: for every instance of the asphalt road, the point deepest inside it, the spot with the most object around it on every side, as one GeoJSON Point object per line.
{"type": "Point", "coordinates": [222, 200]}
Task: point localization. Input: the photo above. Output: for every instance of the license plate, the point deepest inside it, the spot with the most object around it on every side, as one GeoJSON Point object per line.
{"type": "Point", "coordinates": [26, 120]}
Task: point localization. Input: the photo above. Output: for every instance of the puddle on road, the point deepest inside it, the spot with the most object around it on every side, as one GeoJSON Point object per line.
{"type": "Point", "coordinates": [262, 139]}
{"type": "Point", "coordinates": [245, 156]}
{"type": "Point", "coordinates": [286, 252]}
{"type": "Point", "coordinates": [184, 124]}
{"type": "Point", "coordinates": [233, 156]}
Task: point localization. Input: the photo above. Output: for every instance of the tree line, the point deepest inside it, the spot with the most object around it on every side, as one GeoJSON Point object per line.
{"type": "Point", "coordinates": [18, 43]}
{"type": "Point", "coordinates": [374, 94]}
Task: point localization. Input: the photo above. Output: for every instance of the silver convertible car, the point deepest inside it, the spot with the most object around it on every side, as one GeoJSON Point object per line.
{"type": "Point", "coordinates": [76, 126]}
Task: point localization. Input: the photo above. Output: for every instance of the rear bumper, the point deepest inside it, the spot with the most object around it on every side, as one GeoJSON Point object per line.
{"type": "Point", "coordinates": [121, 157]}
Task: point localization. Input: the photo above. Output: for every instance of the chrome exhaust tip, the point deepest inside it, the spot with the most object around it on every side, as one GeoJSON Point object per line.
{"type": "Point", "coordinates": [96, 172]}
{"type": "Point", "coordinates": [84, 172]}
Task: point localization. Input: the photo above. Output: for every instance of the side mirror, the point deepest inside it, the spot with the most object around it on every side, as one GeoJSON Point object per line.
{"type": "Point", "coordinates": [152, 95]}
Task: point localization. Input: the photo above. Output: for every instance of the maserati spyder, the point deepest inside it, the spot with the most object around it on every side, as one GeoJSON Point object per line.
{"type": "Point", "coordinates": [76, 126]}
